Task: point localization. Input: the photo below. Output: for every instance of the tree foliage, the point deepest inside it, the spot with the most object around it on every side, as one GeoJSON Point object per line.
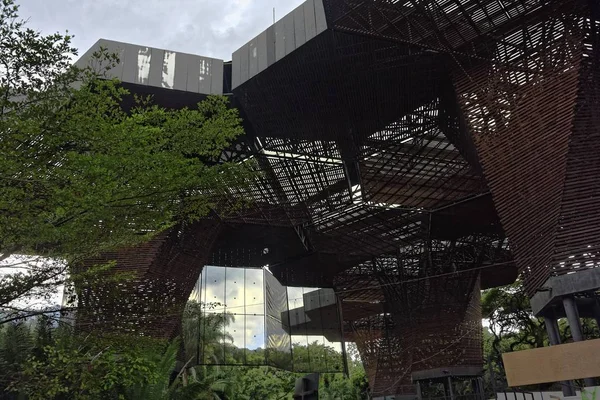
{"type": "Point", "coordinates": [513, 327]}
{"type": "Point", "coordinates": [79, 173]}
{"type": "Point", "coordinates": [353, 387]}
{"type": "Point", "coordinates": [88, 368]}
{"type": "Point", "coordinates": [40, 360]}
{"type": "Point", "coordinates": [16, 345]}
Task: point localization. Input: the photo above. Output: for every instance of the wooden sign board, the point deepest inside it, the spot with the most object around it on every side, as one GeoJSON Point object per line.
{"type": "Point", "coordinates": [553, 364]}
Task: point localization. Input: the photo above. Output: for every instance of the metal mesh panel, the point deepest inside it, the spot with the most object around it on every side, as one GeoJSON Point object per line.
{"type": "Point", "coordinates": [451, 305]}
{"type": "Point", "coordinates": [411, 162]}
{"type": "Point", "coordinates": [576, 243]}
{"type": "Point", "coordinates": [370, 142]}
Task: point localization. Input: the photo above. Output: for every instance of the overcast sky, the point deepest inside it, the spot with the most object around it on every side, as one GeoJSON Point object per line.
{"type": "Point", "coordinates": [212, 28]}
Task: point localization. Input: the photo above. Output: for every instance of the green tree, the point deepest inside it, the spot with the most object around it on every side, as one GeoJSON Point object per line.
{"type": "Point", "coordinates": [339, 387]}
{"type": "Point", "coordinates": [81, 175]}
{"type": "Point", "coordinates": [41, 361]}
{"type": "Point", "coordinates": [90, 367]}
{"type": "Point", "coordinates": [267, 383]}
{"type": "Point", "coordinates": [204, 333]}
{"type": "Point", "coordinates": [183, 387]}
{"type": "Point", "coordinates": [16, 345]}
{"type": "Point", "coordinates": [316, 356]}
{"type": "Point", "coordinates": [512, 327]}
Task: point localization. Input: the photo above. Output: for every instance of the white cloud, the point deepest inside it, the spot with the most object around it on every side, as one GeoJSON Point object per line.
{"type": "Point", "coordinates": [213, 28]}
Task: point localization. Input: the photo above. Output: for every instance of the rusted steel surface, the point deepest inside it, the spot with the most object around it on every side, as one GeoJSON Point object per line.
{"type": "Point", "coordinates": [412, 163]}
{"type": "Point", "coordinates": [438, 310]}
{"type": "Point", "coordinates": [578, 232]}
{"type": "Point", "coordinates": [436, 324]}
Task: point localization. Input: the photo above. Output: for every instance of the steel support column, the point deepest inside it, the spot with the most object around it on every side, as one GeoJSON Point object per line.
{"type": "Point", "coordinates": [573, 317]}
{"type": "Point", "coordinates": [575, 324]}
{"type": "Point", "coordinates": [481, 388]}
{"type": "Point", "coordinates": [450, 391]}
{"type": "Point", "coordinates": [568, 387]}
{"type": "Point", "coordinates": [597, 312]}
{"type": "Point", "coordinates": [552, 329]}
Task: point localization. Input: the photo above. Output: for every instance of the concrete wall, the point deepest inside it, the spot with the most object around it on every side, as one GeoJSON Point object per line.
{"type": "Point", "coordinates": [160, 68]}
{"type": "Point", "coordinates": [279, 40]}
{"type": "Point", "coordinates": [564, 285]}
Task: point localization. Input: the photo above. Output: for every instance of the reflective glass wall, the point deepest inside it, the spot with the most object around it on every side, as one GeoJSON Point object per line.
{"type": "Point", "coordinates": [244, 316]}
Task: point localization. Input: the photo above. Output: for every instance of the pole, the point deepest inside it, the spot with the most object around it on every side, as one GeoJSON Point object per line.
{"type": "Point", "coordinates": [597, 312]}
{"type": "Point", "coordinates": [573, 318]}
{"type": "Point", "coordinates": [568, 387]}
{"type": "Point", "coordinates": [575, 325]}
{"type": "Point", "coordinates": [344, 354]}
{"type": "Point", "coordinates": [450, 388]}
{"type": "Point", "coordinates": [552, 330]}
{"type": "Point", "coordinates": [482, 388]}
{"type": "Point", "coordinates": [492, 375]}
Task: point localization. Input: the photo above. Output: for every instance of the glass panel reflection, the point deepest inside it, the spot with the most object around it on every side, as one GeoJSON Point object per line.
{"type": "Point", "coordinates": [279, 349]}
{"type": "Point", "coordinates": [318, 353]}
{"type": "Point", "coordinates": [234, 291]}
{"type": "Point", "coordinates": [255, 301]}
{"type": "Point", "coordinates": [255, 340]}
{"type": "Point", "coordinates": [301, 354]}
{"type": "Point", "coordinates": [295, 297]}
{"type": "Point", "coordinates": [335, 363]}
{"type": "Point", "coordinates": [213, 337]}
{"type": "Point", "coordinates": [214, 278]}
{"type": "Point", "coordinates": [247, 317]}
{"type": "Point", "coordinates": [236, 341]}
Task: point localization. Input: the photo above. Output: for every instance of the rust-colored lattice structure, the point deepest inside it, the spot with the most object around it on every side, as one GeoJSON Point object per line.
{"type": "Point", "coordinates": [404, 155]}
{"type": "Point", "coordinates": [418, 313]}
{"type": "Point", "coordinates": [447, 26]}
{"type": "Point", "coordinates": [447, 326]}
{"type": "Point", "coordinates": [531, 108]}
{"type": "Point", "coordinates": [386, 358]}
{"type": "Point", "coordinates": [158, 277]}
